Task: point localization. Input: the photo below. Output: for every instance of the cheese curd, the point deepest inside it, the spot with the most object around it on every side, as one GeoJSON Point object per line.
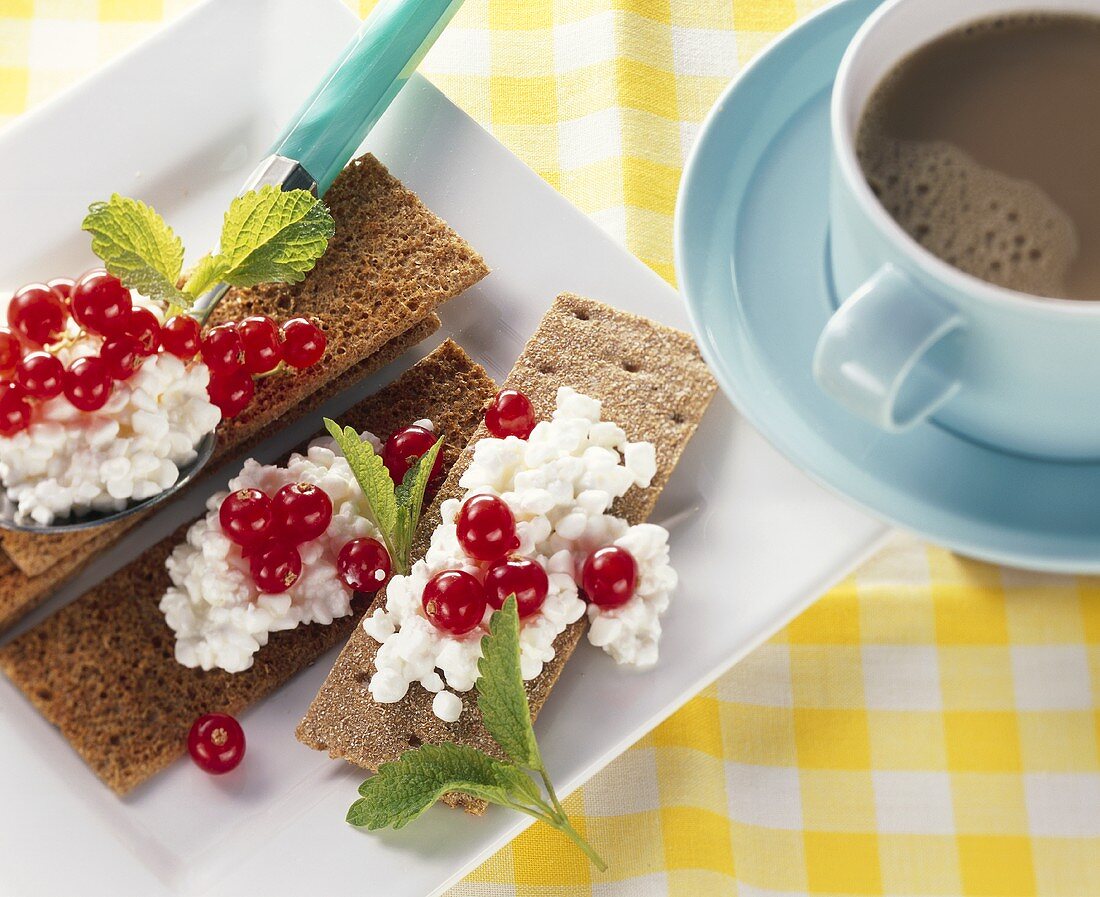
{"type": "Point", "coordinates": [560, 484]}
{"type": "Point", "coordinates": [220, 618]}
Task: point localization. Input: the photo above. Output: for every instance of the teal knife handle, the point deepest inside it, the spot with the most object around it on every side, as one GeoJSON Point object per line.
{"type": "Point", "coordinates": [328, 128]}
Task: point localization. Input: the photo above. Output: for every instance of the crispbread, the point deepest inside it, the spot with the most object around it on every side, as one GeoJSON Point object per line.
{"type": "Point", "coordinates": [390, 264]}
{"type": "Point", "coordinates": [102, 669]}
{"type": "Point", "coordinates": [652, 382]}
{"type": "Point", "coordinates": [20, 593]}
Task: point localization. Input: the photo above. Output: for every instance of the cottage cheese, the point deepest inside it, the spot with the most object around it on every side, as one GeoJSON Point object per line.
{"type": "Point", "coordinates": [559, 483]}
{"type": "Point", "coordinates": [220, 618]}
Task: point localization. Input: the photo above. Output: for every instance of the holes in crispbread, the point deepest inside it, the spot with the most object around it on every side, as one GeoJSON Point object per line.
{"type": "Point", "coordinates": [415, 741]}
{"type": "Point", "coordinates": [631, 367]}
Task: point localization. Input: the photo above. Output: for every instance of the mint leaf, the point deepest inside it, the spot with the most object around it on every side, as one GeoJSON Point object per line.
{"type": "Point", "coordinates": [203, 276]}
{"type": "Point", "coordinates": [138, 247]}
{"type": "Point", "coordinates": [372, 476]}
{"type": "Point", "coordinates": [410, 499]}
{"type": "Point", "coordinates": [501, 696]}
{"type": "Point", "coordinates": [401, 791]}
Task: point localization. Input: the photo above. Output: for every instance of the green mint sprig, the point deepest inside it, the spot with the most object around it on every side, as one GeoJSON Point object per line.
{"type": "Point", "coordinates": [404, 789]}
{"type": "Point", "coordinates": [395, 511]}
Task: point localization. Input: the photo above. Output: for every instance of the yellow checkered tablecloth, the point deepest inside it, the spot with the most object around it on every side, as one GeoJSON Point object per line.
{"type": "Point", "coordinates": [930, 727]}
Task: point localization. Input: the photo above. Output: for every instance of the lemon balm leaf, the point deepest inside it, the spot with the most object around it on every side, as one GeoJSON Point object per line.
{"type": "Point", "coordinates": [372, 476]}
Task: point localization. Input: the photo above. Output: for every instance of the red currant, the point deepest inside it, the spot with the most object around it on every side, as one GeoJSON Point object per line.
{"type": "Point", "coordinates": [510, 414]}
{"type": "Point", "coordinates": [364, 565]}
{"type": "Point", "coordinates": [486, 528]}
{"type": "Point", "coordinates": [521, 577]}
{"type": "Point", "coordinates": [404, 447]}
{"type": "Point", "coordinates": [231, 392]}
{"type": "Point", "coordinates": [122, 354]}
{"type": "Point", "coordinates": [260, 343]}
{"type": "Point", "coordinates": [221, 349]}
{"type": "Point", "coordinates": [245, 516]}
{"type": "Point", "coordinates": [180, 336]}
{"type": "Point", "coordinates": [101, 304]}
{"type": "Point", "coordinates": [15, 410]}
{"type": "Point", "coordinates": [41, 375]}
{"type": "Point", "coordinates": [275, 566]}
{"type": "Point", "coordinates": [216, 743]}
{"type": "Point", "coordinates": [11, 350]}
{"type": "Point", "coordinates": [454, 601]}
{"type": "Point", "coordinates": [63, 286]}
{"type": "Point", "coordinates": [303, 343]}
{"type": "Point", "coordinates": [608, 576]}
{"type": "Point", "coordinates": [145, 328]}
{"type": "Point", "coordinates": [37, 313]}
{"type": "Point", "coordinates": [87, 383]}
{"type": "Point", "coordinates": [301, 512]}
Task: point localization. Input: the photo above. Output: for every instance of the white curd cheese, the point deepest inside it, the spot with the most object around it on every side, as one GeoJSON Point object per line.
{"type": "Point", "coordinates": [220, 618]}
{"type": "Point", "coordinates": [559, 484]}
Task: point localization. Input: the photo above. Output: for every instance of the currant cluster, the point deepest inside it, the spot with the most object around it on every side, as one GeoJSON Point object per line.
{"type": "Point", "coordinates": [455, 600]}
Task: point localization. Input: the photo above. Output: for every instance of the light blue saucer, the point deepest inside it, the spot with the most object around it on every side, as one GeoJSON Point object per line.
{"type": "Point", "coordinates": [751, 234]}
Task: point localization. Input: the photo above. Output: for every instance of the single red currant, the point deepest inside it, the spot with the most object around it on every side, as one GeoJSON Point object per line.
{"type": "Point", "coordinates": [454, 601]}
{"type": "Point", "coordinates": [11, 350]}
{"type": "Point", "coordinates": [486, 527]}
{"type": "Point", "coordinates": [231, 392]}
{"type": "Point", "coordinates": [145, 328]}
{"type": "Point", "coordinates": [221, 349]}
{"type": "Point", "coordinates": [608, 576]}
{"type": "Point", "coordinates": [216, 743]}
{"type": "Point", "coordinates": [87, 383]}
{"type": "Point", "coordinates": [180, 336]}
{"type": "Point", "coordinates": [364, 565]}
{"type": "Point", "coordinates": [41, 375]}
{"type": "Point", "coordinates": [275, 566]}
{"type": "Point", "coordinates": [404, 447]}
{"type": "Point", "coordinates": [63, 286]}
{"type": "Point", "coordinates": [303, 343]}
{"type": "Point", "coordinates": [245, 516]}
{"type": "Point", "coordinates": [37, 313]}
{"type": "Point", "coordinates": [122, 355]}
{"type": "Point", "coordinates": [301, 512]}
{"type": "Point", "coordinates": [510, 414]}
{"type": "Point", "coordinates": [519, 576]}
{"type": "Point", "coordinates": [259, 337]}
{"type": "Point", "coordinates": [15, 410]}
{"type": "Point", "coordinates": [101, 304]}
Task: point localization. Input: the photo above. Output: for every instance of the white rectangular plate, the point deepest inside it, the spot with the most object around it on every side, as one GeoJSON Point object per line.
{"type": "Point", "coordinates": [179, 122]}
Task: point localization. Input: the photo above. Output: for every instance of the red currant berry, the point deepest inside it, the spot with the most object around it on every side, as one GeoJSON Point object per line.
{"type": "Point", "coordinates": [41, 375]}
{"type": "Point", "coordinates": [608, 576]}
{"type": "Point", "coordinates": [145, 328]}
{"type": "Point", "coordinates": [180, 336]}
{"type": "Point", "coordinates": [519, 576]}
{"type": "Point", "coordinates": [301, 512]}
{"type": "Point", "coordinates": [510, 414]}
{"type": "Point", "coordinates": [15, 410]}
{"type": "Point", "coordinates": [122, 355]}
{"type": "Point", "coordinates": [87, 383]}
{"type": "Point", "coordinates": [216, 743]}
{"type": "Point", "coordinates": [37, 313]}
{"type": "Point", "coordinates": [260, 342]}
{"type": "Point", "coordinates": [486, 528]}
{"type": "Point", "coordinates": [245, 516]}
{"type": "Point", "coordinates": [275, 566]}
{"type": "Point", "coordinates": [364, 565]}
{"type": "Point", "coordinates": [454, 601]}
{"type": "Point", "coordinates": [231, 392]}
{"type": "Point", "coordinates": [221, 349]}
{"type": "Point", "coordinates": [11, 350]}
{"type": "Point", "coordinates": [63, 286]}
{"type": "Point", "coordinates": [303, 343]}
{"type": "Point", "coordinates": [404, 447]}
{"type": "Point", "coordinates": [101, 304]}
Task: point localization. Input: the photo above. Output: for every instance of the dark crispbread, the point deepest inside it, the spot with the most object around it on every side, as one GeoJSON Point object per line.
{"type": "Point", "coordinates": [102, 669]}
{"type": "Point", "coordinates": [20, 593]}
{"type": "Point", "coordinates": [652, 382]}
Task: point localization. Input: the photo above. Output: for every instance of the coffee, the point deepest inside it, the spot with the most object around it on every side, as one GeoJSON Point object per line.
{"type": "Point", "coordinates": [984, 145]}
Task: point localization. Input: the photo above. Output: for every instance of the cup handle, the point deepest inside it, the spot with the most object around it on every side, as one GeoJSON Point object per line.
{"type": "Point", "coordinates": [873, 356]}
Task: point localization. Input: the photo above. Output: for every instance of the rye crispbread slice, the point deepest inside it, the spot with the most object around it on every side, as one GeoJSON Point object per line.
{"type": "Point", "coordinates": [652, 382]}
{"type": "Point", "coordinates": [102, 669]}
{"type": "Point", "coordinates": [20, 593]}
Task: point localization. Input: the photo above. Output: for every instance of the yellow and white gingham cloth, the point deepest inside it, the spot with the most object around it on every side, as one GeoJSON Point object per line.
{"type": "Point", "coordinates": [931, 726]}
